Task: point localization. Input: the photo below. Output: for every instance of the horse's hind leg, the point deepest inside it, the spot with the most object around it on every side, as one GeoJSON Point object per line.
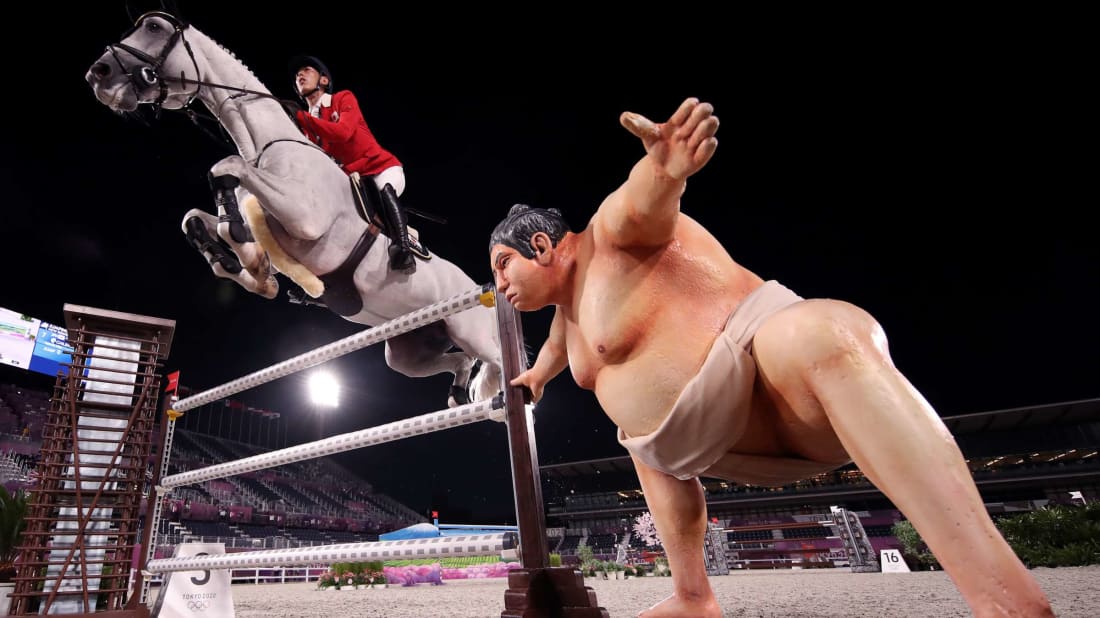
{"type": "Point", "coordinates": [475, 331]}
{"type": "Point", "coordinates": [423, 352]}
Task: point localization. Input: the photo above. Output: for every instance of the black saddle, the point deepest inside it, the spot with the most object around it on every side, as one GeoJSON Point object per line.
{"type": "Point", "coordinates": [368, 201]}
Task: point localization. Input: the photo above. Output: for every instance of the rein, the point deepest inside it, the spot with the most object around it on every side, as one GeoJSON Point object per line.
{"type": "Point", "coordinates": [149, 76]}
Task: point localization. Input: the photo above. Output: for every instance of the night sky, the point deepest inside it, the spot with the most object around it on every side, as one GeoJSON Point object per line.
{"type": "Point", "coordinates": [932, 177]}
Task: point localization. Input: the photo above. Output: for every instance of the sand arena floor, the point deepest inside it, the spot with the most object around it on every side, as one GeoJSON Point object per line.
{"type": "Point", "coordinates": [1074, 592]}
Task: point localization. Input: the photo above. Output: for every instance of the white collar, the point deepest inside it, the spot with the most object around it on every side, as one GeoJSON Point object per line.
{"type": "Point", "coordinates": [324, 101]}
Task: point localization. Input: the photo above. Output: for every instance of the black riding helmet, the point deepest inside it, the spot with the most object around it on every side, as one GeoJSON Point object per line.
{"type": "Point", "coordinates": [297, 62]}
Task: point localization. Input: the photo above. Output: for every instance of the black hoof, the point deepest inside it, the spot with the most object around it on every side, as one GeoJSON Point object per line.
{"type": "Point", "coordinates": [459, 396]}
{"type": "Point", "coordinates": [462, 395]}
{"type": "Point", "coordinates": [199, 238]}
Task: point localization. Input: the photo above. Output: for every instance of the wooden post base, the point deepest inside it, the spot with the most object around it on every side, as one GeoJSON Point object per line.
{"type": "Point", "coordinates": [549, 593]}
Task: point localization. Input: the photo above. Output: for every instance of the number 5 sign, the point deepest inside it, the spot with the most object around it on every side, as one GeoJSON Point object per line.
{"type": "Point", "coordinates": [187, 594]}
{"type": "Point", "coordinates": [892, 562]}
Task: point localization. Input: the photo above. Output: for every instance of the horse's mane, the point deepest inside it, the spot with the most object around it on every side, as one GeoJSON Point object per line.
{"type": "Point", "coordinates": [225, 49]}
{"type": "Point", "coordinates": [141, 115]}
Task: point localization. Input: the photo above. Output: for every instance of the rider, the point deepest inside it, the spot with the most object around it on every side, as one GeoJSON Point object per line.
{"type": "Point", "coordinates": [334, 122]}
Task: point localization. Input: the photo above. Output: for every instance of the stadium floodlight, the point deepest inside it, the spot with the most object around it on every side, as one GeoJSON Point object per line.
{"type": "Point", "coordinates": [324, 390]}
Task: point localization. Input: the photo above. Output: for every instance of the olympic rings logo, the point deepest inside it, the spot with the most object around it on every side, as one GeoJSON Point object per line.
{"type": "Point", "coordinates": [198, 606]}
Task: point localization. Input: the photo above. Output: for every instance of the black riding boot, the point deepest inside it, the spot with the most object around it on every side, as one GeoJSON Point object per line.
{"type": "Point", "coordinates": [226, 200]}
{"type": "Point", "coordinates": [401, 257]}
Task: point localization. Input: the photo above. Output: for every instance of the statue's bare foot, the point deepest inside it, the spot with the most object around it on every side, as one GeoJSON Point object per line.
{"type": "Point", "coordinates": [676, 607]}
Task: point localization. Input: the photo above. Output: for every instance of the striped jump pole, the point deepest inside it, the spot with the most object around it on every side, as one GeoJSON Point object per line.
{"type": "Point", "coordinates": [482, 296]}
{"type": "Point", "coordinates": [407, 549]}
{"type": "Point", "coordinates": [390, 432]}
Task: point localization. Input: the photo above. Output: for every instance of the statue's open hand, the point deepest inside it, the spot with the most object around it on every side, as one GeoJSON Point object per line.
{"type": "Point", "coordinates": [684, 144]}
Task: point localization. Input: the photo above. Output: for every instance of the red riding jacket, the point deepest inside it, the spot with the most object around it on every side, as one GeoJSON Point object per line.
{"type": "Point", "coordinates": [342, 132]}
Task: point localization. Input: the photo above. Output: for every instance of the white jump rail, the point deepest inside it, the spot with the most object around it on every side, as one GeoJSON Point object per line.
{"type": "Point", "coordinates": [458, 303]}
{"type": "Point", "coordinates": [406, 549]}
{"type": "Point", "coordinates": [389, 432]}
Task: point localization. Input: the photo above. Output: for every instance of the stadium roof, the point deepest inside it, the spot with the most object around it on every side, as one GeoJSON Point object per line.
{"type": "Point", "coordinates": [1067, 413]}
{"type": "Point", "coordinates": [614, 465]}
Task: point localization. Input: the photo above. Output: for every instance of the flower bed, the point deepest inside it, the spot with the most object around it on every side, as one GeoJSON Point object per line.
{"type": "Point", "coordinates": [435, 574]}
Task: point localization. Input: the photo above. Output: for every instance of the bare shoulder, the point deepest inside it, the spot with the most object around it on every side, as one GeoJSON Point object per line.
{"type": "Point", "coordinates": [597, 238]}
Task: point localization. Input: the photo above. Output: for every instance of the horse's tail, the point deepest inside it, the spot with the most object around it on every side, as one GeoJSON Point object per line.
{"type": "Point", "coordinates": [528, 354]}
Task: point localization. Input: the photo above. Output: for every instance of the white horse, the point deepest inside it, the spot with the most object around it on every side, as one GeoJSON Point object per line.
{"type": "Point", "coordinates": [297, 204]}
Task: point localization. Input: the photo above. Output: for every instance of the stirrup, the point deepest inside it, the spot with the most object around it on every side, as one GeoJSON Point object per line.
{"type": "Point", "coordinates": [298, 296]}
{"type": "Point", "coordinates": [402, 261]}
{"type": "Point", "coordinates": [418, 249]}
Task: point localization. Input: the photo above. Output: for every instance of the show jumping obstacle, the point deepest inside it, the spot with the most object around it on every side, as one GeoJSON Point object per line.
{"type": "Point", "coordinates": [83, 515]}
{"type": "Point", "coordinates": [534, 589]}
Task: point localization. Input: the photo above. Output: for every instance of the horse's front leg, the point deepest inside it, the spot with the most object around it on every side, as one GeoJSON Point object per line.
{"type": "Point", "coordinates": [200, 228]}
{"type": "Point", "coordinates": [235, 231]}
{"type": "Point", "coordinates": [227, 196]}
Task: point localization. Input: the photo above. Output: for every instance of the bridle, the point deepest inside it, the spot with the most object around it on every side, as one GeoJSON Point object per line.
{"type": "Point", "coordinates": [149, 75]}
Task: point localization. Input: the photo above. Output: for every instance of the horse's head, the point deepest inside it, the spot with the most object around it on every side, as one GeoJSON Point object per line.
{"type": "Point", "coordinates": [152, 63]}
